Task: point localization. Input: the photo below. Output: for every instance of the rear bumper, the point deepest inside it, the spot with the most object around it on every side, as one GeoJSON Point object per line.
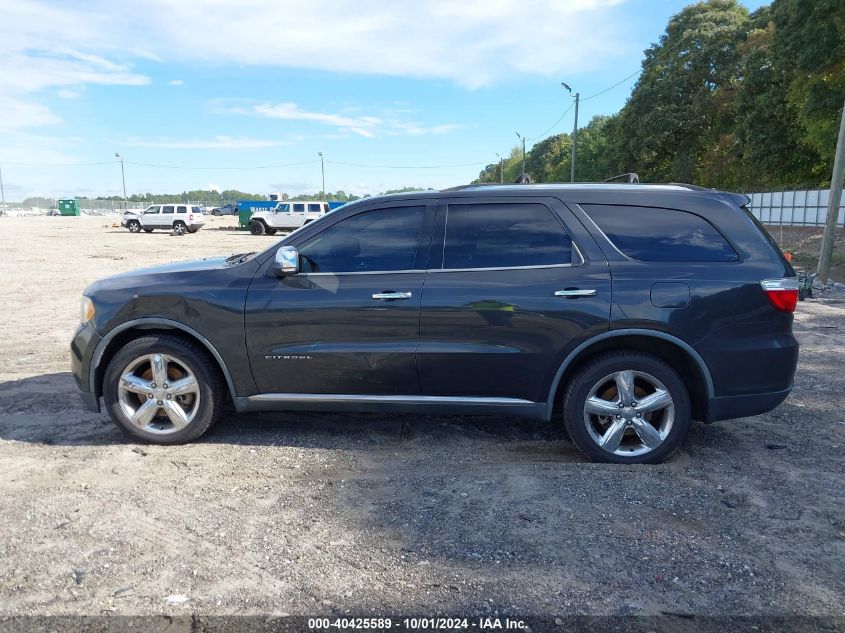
{"type": "Point", "coordinates": [730, 407]}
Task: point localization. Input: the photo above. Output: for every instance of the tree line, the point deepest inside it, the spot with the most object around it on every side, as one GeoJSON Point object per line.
{"type": "Point", "coordinates": [726, 99]}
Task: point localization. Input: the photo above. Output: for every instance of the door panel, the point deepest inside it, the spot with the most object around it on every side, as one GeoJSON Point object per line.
{"type": "Point", "coordinates": [324, 333]}
{"type": "Point", "coordinates": [349, 323]}
{"type": "Point", "coordinates": [504, 332]}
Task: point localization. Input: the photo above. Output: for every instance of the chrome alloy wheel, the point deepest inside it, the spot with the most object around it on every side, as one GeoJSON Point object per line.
{"type": "Point", "coordinates": [158, 394]}
{"type": "Point", "coordinates": [629, 413]}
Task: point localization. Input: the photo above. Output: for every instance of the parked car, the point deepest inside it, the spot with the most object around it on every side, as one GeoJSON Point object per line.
{"type": "Point", "coordinates": [226, 209]}
{"type": "Point", "coordinates": [625, 310]}
{"type": "Point", "coordinates": [286, 216]}
{"type": "Point", "coordinates": [176, 216]}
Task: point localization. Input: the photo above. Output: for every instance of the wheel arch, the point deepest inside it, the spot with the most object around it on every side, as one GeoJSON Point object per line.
{"type": "Point", "coordinates": [129, 331]}
{"type": "Point", "coordinates": [678, 354]}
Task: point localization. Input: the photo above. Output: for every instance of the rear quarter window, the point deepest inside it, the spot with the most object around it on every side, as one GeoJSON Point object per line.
{"type": "Point", "coordinates": [653, 234]}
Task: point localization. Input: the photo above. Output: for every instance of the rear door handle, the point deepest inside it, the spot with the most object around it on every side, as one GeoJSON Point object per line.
{"type": "Point", "coordinates": [576, 292]}
{"type": "Point", "coordinates": [389, 295]}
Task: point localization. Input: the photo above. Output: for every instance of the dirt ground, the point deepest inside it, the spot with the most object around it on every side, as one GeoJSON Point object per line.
{"type": "Point", "coordinates": [335, 514]}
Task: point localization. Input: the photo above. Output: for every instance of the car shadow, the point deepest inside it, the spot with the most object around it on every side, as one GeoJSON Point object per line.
{"type": "Point", "coordinates": [46, 409]}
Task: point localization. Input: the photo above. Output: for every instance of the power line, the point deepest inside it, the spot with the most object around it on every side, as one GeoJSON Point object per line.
{"type": "Point", "coordinates": [533, 138]}
{"type": "Point", "coordinates": [338, 162]}
{"type": "Point", "coordinates": [10, 162]}
{"type": "Point", "coordinates": [207, 168]}
{"type": "Point", "coordinates": [637, 72]}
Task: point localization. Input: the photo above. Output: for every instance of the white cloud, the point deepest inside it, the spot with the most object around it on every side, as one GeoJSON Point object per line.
{"type": "Point", "coordinates": [367, 126]}
{"type": "Point", "coordinates": [472, 42]}
{"type": "Point", "coordinates": [67, 94]}
{"type": "Point", "coordinates": [175, 82]}
{"type": "Point", "coordinates": [18, 113]}
{"type": "Point", "coordinates": [217, 142]}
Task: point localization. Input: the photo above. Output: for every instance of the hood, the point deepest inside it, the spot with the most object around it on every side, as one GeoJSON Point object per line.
{"type": "Point", "coordinates": [165, 273]}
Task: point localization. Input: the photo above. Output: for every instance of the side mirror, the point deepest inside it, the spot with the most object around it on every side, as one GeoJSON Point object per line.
{"type": "Point", "coordinates": [287, 261]}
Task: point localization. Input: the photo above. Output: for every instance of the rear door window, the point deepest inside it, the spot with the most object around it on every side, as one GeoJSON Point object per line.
{"type": "Point", "coordinates": [167, 209]}
{"type": "Point", "coordinates": [299, 208]}
{"type": "Point", "coordinates": [653, 234]}
{"type": "Point", "coordinates": [314, 208]}
{"type": "Point", "coordinates": [504, 236]}
{"type": "Point", "coordinates": [181, 209]}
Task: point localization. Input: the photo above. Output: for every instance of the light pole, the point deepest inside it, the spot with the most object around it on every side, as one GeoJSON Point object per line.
{"type": "Point", "coordinates": [523, 150]}
{"type": "Point", "coordinates": [501, 169]}
{"type": "Point", "coordinates": [123, 176]}
{"type": "Point", "coordinates": [574, 131]}
{"type": "Point", "coordinates": [323, 170]}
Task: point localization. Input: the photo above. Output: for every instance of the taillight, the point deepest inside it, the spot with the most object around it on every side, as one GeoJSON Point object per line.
{"type": "Point", "coordinates": [782, 293]}
{"type": "Point", "coordinates": [190, 217]}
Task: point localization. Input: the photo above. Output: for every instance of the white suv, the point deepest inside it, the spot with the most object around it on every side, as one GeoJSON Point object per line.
{"type": "Point", "coordinates": [179, 217]}
{"type": "Point", "coordinates": [286, 216]}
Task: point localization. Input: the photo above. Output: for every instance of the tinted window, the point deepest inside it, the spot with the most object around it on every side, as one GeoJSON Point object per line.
{"type": "Point", "coordinates": [181, 209]}
{"type": "Point", "coordinates": [151, 210]}
{"type": "Point", "coordinates": [315, 207]}
{"type": "Point", "coordinates": [382, 239]}
{"type": "Point", "coordinates": [167, 209]}
{"type": "Point", "coordinates": [504, 236]}
{"type": "Point", "coordinates": [300, 208]}
{"type": "Point", "coordinates": [661, 235]}
{"type": "Point", "coordinates": [196, 210]}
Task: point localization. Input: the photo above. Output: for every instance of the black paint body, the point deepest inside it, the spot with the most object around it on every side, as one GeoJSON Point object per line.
{"type": "Point", "coordinates": [468, 334]}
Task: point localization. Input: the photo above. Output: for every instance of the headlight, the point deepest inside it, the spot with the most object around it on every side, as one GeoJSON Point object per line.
{"type": "Point", "coordinates": [87, 311]}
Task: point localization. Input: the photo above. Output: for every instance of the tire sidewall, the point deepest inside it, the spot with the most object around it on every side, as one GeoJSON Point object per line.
{"type": "Point", "coordinates": [185, 354]}
{"type": "Point", "coordinates": [134, 226]}
{"type": "Point", "coordinates": [256, 228]}
{"type": "Point", "coordinates": [579, 388]}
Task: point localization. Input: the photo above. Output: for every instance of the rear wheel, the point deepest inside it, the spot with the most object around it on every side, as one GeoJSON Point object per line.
{"type": "Point", "coordinates": [163, 389]}
{"type": "Point", "coordinates": [627, 408]}
{"type": "Point", "coordinates": [256, 227]}
{"type": "Point", "coordinates": [148, 230]}
{"type": "Point", "coordinates": [271, 231]}
{"type": "Point", "coordinates": [134, 226]}
{"type": "Point", "coordinates": [179, 226]}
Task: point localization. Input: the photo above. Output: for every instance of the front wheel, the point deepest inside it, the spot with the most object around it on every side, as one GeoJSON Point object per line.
{"type": "Point", "coordinates": [256, 228]}
{"type": "Point", "coordinates": [163, 389]}
{"type": "Point", "coordinates": [134, 226]}
{"type": "Point", "coordinates": [627, 408]}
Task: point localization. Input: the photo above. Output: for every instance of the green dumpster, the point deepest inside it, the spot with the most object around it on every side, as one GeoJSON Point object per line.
{"type": "Point", "coordinates": [244, 214]}
{"type": "Point", "coordinates": [69, 206]}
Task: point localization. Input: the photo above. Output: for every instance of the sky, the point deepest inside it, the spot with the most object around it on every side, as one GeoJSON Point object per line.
{"type": "Point", "coordinates": [209, 94]}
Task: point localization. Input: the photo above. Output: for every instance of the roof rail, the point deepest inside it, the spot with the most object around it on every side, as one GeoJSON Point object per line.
{"type": "Point", "coordinates": [630, 176]}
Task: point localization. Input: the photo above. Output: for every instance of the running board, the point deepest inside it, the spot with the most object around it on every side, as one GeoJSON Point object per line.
{"type": "Point", "coordinates": [466, 405]}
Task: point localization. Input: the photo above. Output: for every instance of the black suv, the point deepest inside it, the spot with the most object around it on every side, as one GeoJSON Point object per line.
{"type": "Point", "coordinates": [627, 310]}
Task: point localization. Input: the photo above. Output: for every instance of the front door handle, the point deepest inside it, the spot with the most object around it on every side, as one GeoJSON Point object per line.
{"type": "Point", "coordinates": [576, 292]}
{"type": "Point", "coordinates": [389, 295]}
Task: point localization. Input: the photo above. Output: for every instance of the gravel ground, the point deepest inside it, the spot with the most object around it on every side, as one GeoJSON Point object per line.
{"type": "Point", "coordinates": [334, 514]}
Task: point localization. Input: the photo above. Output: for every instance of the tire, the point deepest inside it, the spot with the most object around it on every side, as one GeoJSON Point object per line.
{"type": "Point", "coordinates": [182, 358]}
{"type": "Point", "coordinates": [271, 231]}
{"type": "Point", "coordinates": [180, 226]}
{"type": "Point", "coordinates": [663, 428]}
{"type": "Point", "coordinates": [256, 227]}
{"type": "Point", "coordinates": [134, 226]}
{"type": "Point", "coordinates": [148, 230]}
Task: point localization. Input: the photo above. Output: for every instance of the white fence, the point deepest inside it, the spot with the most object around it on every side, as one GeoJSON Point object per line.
{"type": "Point", "coordinates": [803, 207]}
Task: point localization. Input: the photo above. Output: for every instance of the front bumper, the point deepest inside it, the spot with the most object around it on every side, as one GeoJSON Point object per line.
{"type": "Point", "coordinates": [82, 347]}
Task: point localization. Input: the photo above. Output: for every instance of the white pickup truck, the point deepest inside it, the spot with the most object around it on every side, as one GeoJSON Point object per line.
{"type": "Point", "coordinates": [286, 216]}
{"type": "Point", "coordinates": [179, 217]}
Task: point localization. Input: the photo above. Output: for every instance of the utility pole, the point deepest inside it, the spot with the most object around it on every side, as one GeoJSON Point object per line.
{"type": "Point", "coordinates": [323, 170]}
{"type": "Point", "coordinates": [123, 176]}
{"type": "Point", "coordinates": [833, 203]}
{"type": "Point", "coordinates": [523, 150]}
{"type": "Point", "coordinates": [2, 193]}
{"type": "Point", "coordinates": [574, 137]}
{"type": "Point", "coordinates": [501, 169]}
{"type": "Point", "coordinates": [574, 131]}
